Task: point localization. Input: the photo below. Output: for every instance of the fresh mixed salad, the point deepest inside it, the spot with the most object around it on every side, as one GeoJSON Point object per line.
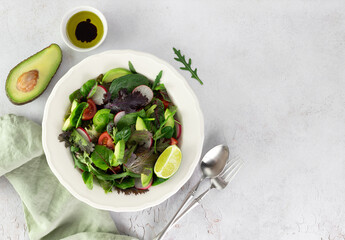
{"type": "Point", "coordinates": [122, 131]}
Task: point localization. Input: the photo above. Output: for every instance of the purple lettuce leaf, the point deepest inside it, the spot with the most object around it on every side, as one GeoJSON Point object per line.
{"type": "Point", "coordinates": [128, 102]}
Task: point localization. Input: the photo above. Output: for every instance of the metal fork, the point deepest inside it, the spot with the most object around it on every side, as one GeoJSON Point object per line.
{"type": "Point", "coordinates": [231, 169]}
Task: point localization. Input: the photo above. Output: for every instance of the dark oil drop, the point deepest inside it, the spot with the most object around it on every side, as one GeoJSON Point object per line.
{"type": "Point", "coordinates": [86, 31]}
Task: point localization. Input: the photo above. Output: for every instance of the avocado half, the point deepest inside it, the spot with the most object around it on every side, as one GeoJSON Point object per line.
{"type": "Point", "coordinates": [30, 78]}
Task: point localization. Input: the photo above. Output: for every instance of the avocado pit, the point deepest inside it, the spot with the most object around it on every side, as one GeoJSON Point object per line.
{"type": "Point", "coordinates": [27, 81]}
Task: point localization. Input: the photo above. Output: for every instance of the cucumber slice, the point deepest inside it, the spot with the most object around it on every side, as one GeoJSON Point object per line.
{"type": "Point", "coordinates": [67, 124]}
{"type": "Point", "coordinates": [119, 151]}
{"type": "Point", "coordinates": [74, 105]}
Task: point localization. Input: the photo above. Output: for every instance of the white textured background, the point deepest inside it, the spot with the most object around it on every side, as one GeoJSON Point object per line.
{"type": "Point", "coordinates": [274, 90]}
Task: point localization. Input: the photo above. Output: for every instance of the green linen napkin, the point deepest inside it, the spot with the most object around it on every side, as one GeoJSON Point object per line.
{"type": "Point", "coordinates": [51, 212]}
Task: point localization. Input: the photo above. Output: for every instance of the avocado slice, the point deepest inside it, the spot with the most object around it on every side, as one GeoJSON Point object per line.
{"type": "Point", "coordinates": [114, 73]}
{"type": "Point", "coordinates": [145, 179]}
{"type": "Point", "coordinates": [140, 124]}
{"type": "Point", "coordinates": [170, 118]}
{"type": "Point", "coordinates": [30, 78]}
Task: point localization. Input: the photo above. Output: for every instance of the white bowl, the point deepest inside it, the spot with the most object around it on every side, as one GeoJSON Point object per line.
{"type": "Point", "coordinates": [68, 15]}
{"type": "Point", "coordinates": [60, 160]}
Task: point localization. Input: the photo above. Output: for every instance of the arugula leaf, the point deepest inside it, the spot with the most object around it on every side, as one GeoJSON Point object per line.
{"type": "Point", "coordinates": [124, 134]}
{"type": "Point", "coordinates": [102, 157]}
{"type": "Point", "coordinates": [166, 132]}
{"type": "Point", "coordinates": [101, 175]}
{"type": "Point", "coordinates": [88, 179]}
{"type": "Point", "coordinates": [127, 182]}
{"type": "Point", "coordinates": [106, 185]}
{"type": "Point", "coordinates": [187, 66]}
{"type": "Point", "coordinates": [160, 133]}
{"type": "Point", "coordinates": [150, 111]}
{"type": "Point", "coordinates": [131, 67]}
{"type": "Point", "coordinates": [157, 80]}
{"type": "Point", "coordinates": [164, 94]}
{"type": "Point", "coordinates": [74, 149]}
{"type": "Point", "coordinates": [78, 163]}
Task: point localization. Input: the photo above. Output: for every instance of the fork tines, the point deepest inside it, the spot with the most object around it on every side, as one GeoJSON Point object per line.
{"type": "Point", "coordinates": [232, 167]}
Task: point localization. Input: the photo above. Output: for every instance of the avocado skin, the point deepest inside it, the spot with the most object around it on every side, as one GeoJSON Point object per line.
{"type": "Point", "coordinates": [14, 68]}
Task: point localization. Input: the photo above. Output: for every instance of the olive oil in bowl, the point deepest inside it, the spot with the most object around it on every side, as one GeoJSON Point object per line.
{"type": "Point", "coordinates": [84, 28]}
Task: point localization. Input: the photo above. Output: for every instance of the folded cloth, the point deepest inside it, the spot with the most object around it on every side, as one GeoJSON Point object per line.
{"type": "Point", "coordinates": [51, 212]}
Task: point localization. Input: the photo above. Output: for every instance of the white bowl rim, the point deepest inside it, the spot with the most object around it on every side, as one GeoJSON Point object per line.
{"type": "Point", "coordinates": [75, 10]}
{"type": "Point", "coordinates": [143, 205]}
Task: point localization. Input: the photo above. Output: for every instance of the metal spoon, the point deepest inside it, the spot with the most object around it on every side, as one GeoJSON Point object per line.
{"type": "Point", "coordinates": [211, 165]}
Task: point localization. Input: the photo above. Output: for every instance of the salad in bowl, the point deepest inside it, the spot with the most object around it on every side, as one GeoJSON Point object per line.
{"type": "Point", "coordinates": [61, 161]}
{"type": "Point", "coordinates": [122, 131]}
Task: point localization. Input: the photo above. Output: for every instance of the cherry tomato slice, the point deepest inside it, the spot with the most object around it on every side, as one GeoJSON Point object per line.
{"type": "Point", "coordinates": [90, 111]}
{"type": "Point", "coordinates": [165, 103]}
{"type": "Point", "coordinates": [117, 169]}
{"type": "Point", "coordinates": [173, 141]}
{"type": "Point", "coordinates": [106, 140]}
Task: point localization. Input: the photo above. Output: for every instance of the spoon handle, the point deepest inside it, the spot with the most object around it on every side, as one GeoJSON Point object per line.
{"type": "Point", "coordinates": [194, 203]}
{"type": "Point", "coordinates": [187, 199]}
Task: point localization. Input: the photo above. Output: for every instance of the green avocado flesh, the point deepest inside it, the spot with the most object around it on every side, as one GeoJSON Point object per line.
{"type": "Point", "coordinates": [30, 78]}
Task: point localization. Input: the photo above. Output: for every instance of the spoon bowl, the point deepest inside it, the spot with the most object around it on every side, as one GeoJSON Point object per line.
{"type": "Point", "coordinates": [214, 161]}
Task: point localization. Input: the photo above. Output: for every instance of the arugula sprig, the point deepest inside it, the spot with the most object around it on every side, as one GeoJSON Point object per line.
{"type": "Point", "coordinates": [187, 65]}
{"type": "Point", "coordinates": [157, 80]}
{"type": "Point", "coordinates": [131, 67]}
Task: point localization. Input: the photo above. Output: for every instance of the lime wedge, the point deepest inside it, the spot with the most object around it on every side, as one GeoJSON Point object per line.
{"type": "Point", "coordinates": [168, 162]}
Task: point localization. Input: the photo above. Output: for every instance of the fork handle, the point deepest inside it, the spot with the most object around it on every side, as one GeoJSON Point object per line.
{"type": "Point", "coordinates": [187, 199]}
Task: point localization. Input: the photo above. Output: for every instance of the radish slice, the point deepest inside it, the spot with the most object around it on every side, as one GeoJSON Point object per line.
{"type": "Point", "coordinates": [118, 116]}
{"type": "Point", "coordinates": [83, 133]}
{"type": "Point", "coordinates": [98, 97]}
{"type": "Point", "coordinates": [178, 130]}
{"type": "Point", "coordinates": [145, 91]}
{"type": "Point", "coordinates": [139, 186]}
